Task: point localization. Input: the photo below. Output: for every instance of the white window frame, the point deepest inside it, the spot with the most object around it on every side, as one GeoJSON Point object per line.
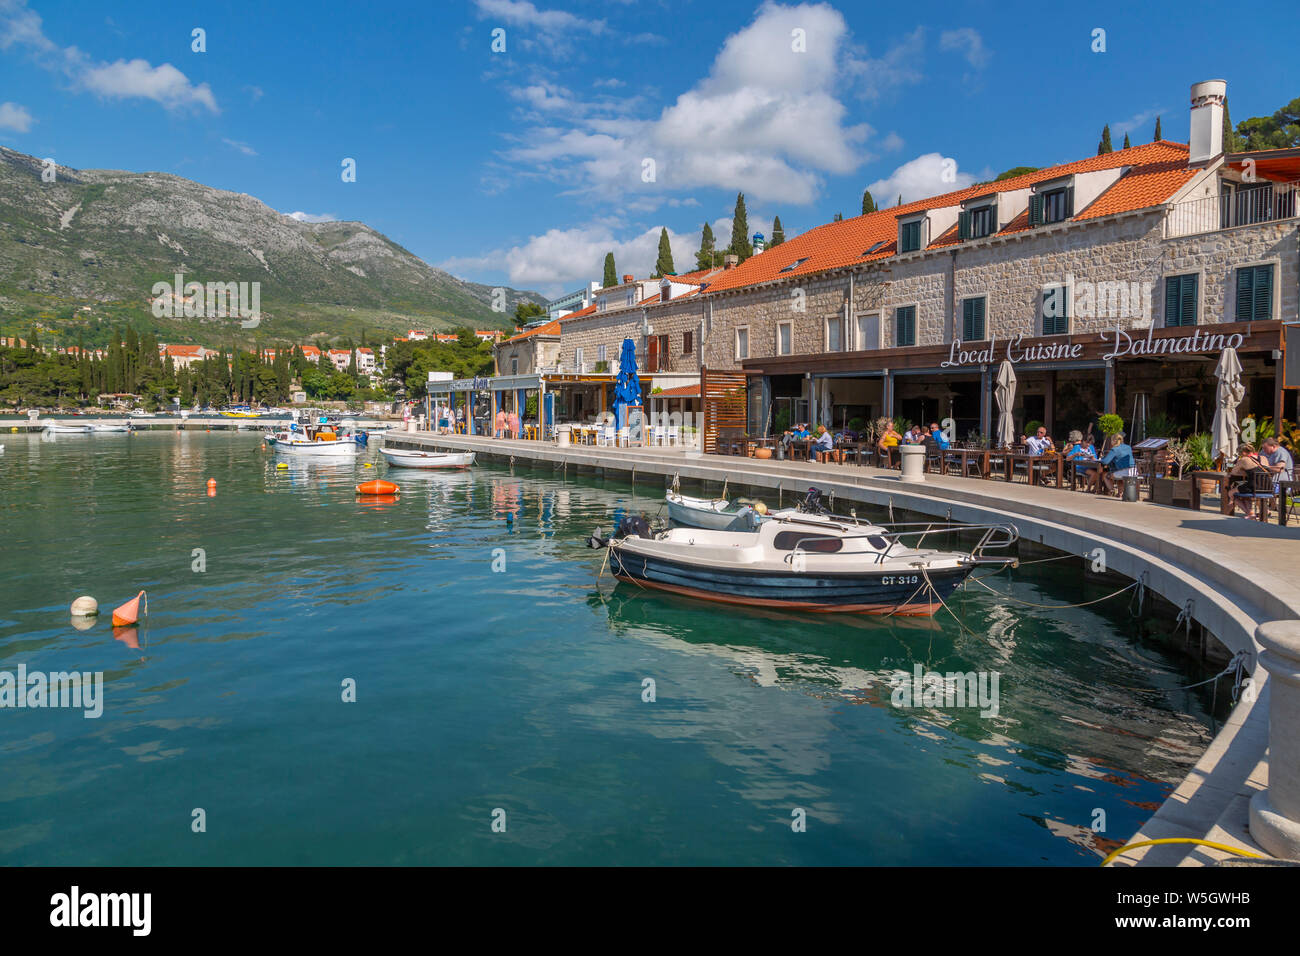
{"type": "Point", "coordinates": [577, 359]}
{"type": "Point", "coordinates": [736, 343]}
{"type": "Point", "coordinates": [786, 324]}
{"type": "Point", "coordinates": [600, 354]}
{"type": "Point", "coordinates": [880, 331]}
{"type": "Point", "coordinates": [922, 243]}
{"type": "Point", "coordinates": [826, 334]}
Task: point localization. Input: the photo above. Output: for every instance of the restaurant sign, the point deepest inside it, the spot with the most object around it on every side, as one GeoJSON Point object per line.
{"type": "Point", "coordinates": [1112, 345]}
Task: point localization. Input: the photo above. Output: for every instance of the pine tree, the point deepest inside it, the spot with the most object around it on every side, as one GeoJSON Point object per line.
{"type": "Point", "coordinates": [778, 233]}
{"type": "Point", "coordinates": [1231, 142]}
{"type": "Point", "coordinates": [1158, 137]}
{"type": "Point", "coordinates": [664, 264]}
{"type": "Point", "coordinates": [1126, 143]}
{"type": "Point", "coordinates": [704, 258]}
{"type": "Point", "coordinates": [1104, 146]}
{"type": "Point", "coordinates": [740, 246]}
{"type": "Point", "coordinates": [868, 204]}
{"type": "Point", "coordinates": [611, 274]}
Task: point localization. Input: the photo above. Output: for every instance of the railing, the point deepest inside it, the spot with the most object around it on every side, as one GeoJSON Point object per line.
{"type": "Point", "coordinates": [1269, 202]}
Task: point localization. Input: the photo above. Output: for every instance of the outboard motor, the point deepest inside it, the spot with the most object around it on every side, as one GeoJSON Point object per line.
{"type": "Point", "coordinates": [812, 502]}
{"type": "Point", "coordinates": [631, 526]}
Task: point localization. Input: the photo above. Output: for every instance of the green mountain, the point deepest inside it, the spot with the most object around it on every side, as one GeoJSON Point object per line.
{"type": "Point", "coordinates": [80, 255]}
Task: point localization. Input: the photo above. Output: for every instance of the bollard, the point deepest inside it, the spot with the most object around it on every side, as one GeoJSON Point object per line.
{"type": "Point", "coordinates": [1275, 812]}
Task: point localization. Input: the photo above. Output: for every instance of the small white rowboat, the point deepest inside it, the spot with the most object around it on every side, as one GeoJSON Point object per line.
{"type": "Point", "coordinates": [427, 459]}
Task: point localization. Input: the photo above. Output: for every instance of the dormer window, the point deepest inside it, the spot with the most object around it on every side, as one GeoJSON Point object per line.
{"type": "Point", "coordinates": [909, 236]}
{"type": "Point", "coordinates": [978, 222]}
{"type": "Point", "coordinates": [795, 265]}
{"type": "Point", "coordinates": [1051, 205]}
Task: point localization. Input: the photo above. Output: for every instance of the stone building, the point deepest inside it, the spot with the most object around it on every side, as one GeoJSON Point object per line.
{"type": "Point", "coordinates": [1096, 279]}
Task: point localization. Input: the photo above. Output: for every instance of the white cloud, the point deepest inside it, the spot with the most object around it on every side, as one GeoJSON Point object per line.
{"type": "Point", "coordinates": [926, 175]}
{"type": "Point", "coordinates": [520, 13]}
{"type": "Point", "coordinates": [767, 119]}
{"type": "Point", "coordinates": [242, 147]}
{"type": "Point", "coordinates": [1147, 118]}
{"type": "Point", "coordinates": [15, 117]}
{"type": "Point", "coordinates": [873, 78]}
{"type": "Point", "coordinates": [966, 39]}
{"type": "Point", "coordinates": [122, 79]}
{"type": "Point", "coordinates": [892, 143]}
{"type": "Point", "coordinates": [313, 217]}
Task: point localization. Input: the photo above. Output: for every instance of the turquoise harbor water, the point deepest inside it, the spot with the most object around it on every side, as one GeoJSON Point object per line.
{"type": "Point", "coordinates": [522, 690]}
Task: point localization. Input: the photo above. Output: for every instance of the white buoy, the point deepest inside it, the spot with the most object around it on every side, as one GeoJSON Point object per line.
{"type": "Point", "coordinates": [83, 622]}
{"type": "Point", "coordinates": [85, 606]}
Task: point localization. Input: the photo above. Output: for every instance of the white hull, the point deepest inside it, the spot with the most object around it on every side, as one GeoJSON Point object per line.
{"type": "Point", "coordinates": [343, 448]}
{"type": "Point", "coordinates": [68, 429]}
{"type": "Point", "coordinates": [423, 459]}
{"type": "Point", "coordinates": [100, 429]}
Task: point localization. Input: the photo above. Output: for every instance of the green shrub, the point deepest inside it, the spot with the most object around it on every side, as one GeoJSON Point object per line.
{"type": "Point", "coordinates": [1109, 425]}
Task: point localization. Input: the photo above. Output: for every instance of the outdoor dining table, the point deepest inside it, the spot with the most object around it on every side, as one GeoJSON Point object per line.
{"type": "Point", "coordinates": [856, 449]}
{"type": "Point", "coordinates": [965, 455]}
{"type": "Point", "coordinates": [1217, 476]}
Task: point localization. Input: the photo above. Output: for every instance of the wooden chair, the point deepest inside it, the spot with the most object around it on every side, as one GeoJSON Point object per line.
{"type": "Point", "coordinates": [1263, 489]}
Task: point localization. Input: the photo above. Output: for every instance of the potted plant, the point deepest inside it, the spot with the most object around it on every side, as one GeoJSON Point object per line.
{"type": "Point", "coordinates": [1108, 425]}
{"type": "Point", "coordinates": [1171, 490]}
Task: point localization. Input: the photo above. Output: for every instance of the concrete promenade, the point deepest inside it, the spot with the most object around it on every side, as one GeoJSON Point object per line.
{"type": "Point", "coordinates": [1232, 574]}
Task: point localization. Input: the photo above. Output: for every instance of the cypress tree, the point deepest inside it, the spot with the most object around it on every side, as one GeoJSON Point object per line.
{"type": "Point", "coordinates": [900, 199]}
{"type": "Point", "coordinates": [868, 204]}
{"type": "Point", "coordinates": [611, 274]}
{"type": "Point", "coordinates": [1231, 144]}
{"type": "Point", "coordinates": [704, 258]}
{"type": "Point", "coordinates": [664, 264]}
{"type": "Point", "coordinates": [1126, 143]}
{"type": "Point", "coordinates": [1158, 137]}
{"type": "Point", "coordinates": [839, 217]}
{"type": "Point", "coordinates": [1104, 146]}
{"type": "Point", "coordinates": [778, 233]}
{"type": "Point", "coordinates": [740, 246]}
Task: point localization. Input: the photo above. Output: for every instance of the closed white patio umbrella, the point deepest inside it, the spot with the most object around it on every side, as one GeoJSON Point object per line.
{"type": "Point", "coordinates": [1225, 431]}
{"type": "Point", "coordinates": [1005, 393]}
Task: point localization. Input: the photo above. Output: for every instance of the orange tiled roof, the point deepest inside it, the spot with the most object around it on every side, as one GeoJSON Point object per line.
{"type": "Point", "coordinates": [681, 391]}
{"type": "Point", "coordinates": [550, 328]}
{"type": "Point", "coordinates": [579, 314]}
{"type": "Point", "coordinates": [1157, 171]}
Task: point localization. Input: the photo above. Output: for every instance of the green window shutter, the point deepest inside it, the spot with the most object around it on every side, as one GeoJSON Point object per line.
{"type": "Point", "coordinates": [1173, 298]}
{"type": "Point", "coordinates": [906, 322]}
{"type": "Point", "coordinates": [993, 217]}
{"type": "Point", "coordinates": [1069, 202]}
{"type": "Point", "coordinates": [980, 304]}
{"type": "Point", "coordinates": [1036, 210]}
{"type": "Point", "coordinates": [1188, 310]}
{"type": "Point", "coordinates": [1263, 309]}
{"type": "Point", "coordinates": [967, 311]}
{"type": "Point", "coordinates": [1245, 284]}
{"type": "Point", "coordinates": [963, 226]}
{"type": "Point", "coordinates": [1056, 311]}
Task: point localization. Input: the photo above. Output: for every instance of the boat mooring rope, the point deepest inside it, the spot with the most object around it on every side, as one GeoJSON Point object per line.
{"type": "Point", "coordinates": [1210, 843]}
{"type": "Point", "coordinates": [1056, 607]}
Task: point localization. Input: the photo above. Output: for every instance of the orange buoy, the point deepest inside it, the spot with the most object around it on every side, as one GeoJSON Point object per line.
{"type": "Point", "coordinates": [377, 487]}
{"type": "Point", "coordinates": [129, 613]}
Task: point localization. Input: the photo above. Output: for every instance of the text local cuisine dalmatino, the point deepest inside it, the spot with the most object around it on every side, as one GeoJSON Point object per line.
{"type": "Point", "coordinates": [1122, 345]}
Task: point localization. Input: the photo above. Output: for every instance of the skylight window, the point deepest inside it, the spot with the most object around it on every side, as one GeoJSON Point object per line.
{"type": "Point", "coordinates": [875, 246]}
{"type": "Point", "coordinates": [795, 265]}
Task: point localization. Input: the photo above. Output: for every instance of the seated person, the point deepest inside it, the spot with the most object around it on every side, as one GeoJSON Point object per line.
{"type": "Point", "coordinates": [1241, 480]}
{"type": "Point", "coordinates": [937, 435]}
{"type": "Point", "coordinates": [801, 432]}
{"type": "Point", "coordinates": [1040, 444]}
{"type": "Point", "coordinates": [1118, 461]}
{"type": "Point", "coordinates": [1079, 449]}
{"type": "Point", "coordinates": [889, 440]}
{"type": "Point", "coordinates": [1279, 459]}
{"type": "Point", "coordinates": [825, 441]}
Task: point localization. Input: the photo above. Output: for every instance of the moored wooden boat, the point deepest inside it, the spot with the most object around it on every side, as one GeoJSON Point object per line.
{"type": "Point", "coordinates": [405, 458]}
{"type": "Point", "coordinates": [804, 562]}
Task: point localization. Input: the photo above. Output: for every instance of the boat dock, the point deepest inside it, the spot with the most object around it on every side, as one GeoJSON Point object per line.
{"type": "Point", "coordinates": [1229, 575]}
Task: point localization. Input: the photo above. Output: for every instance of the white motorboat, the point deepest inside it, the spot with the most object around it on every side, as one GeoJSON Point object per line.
{"type": "Point", "coordinates": [426, 459]}
{"type": "Point", "coordinates": [317, 441]}
{"type": "Point", "coordinates": [61, 428]}
{"type": "Point", "coordinates": [100, 428]}
{"type": "Point", "coordinates": [804, 561]}
{"type": "Point", "coordinates": [141, 413]}
{"type": "Point", "coordinates": [716, 514]}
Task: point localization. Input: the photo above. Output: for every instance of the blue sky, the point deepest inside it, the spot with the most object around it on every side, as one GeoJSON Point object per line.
{"type": "Point", "coordinates": [525, 166]}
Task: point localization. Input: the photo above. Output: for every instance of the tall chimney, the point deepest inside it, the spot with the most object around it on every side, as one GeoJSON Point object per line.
{"type": "Point", "coordinates": [1206, 139]}
{"type": "Point", "coordinates": [627, 279]}
{"type": "Point", "coordinates": [730, 261]}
